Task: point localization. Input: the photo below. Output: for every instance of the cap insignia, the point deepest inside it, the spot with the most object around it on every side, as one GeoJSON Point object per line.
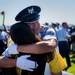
{"type": "Point", "coordinates": [30, 11]}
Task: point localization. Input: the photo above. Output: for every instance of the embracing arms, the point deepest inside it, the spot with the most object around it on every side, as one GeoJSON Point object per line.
{"type": "Point", "coordinates": [39, 47]}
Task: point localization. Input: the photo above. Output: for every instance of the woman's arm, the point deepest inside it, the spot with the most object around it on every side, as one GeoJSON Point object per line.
{"type": "Point", "coordinates": [39, 47]}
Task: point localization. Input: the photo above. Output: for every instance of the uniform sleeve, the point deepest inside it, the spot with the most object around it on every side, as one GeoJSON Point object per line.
{"type": "Point", "coordinates": [6, 53]}
{"type": "Point", "coordinates": [50, 34]}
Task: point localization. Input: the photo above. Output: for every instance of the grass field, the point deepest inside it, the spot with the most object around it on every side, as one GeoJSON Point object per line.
{"type": "Point", "coordinates": [72, 68]}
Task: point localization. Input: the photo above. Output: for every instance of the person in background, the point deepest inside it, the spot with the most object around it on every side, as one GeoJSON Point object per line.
{"type": "Point", "coordinates": [73, 47]}
{"type": "Point", "coordinates": [63, 37]}
{"type": "Point", "coordinates": [57, 27]}
{"type": "Point", "coordinates": [53, 25]}
{"type": "Point", "coordinates": [2, 44]}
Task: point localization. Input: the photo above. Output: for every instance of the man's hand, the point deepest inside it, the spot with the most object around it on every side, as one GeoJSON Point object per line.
{"type": "Point", "coordinates": [12, 49]}
{"type": "Point", "coordinates": [26, 64]}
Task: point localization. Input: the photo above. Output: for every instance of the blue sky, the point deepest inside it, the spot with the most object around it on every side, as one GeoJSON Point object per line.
{"type": "Point", "coordinates": [52, 10]}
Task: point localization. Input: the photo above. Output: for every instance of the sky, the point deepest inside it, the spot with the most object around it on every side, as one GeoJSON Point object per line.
{"type": "Point", "coordinates": [51, 10]}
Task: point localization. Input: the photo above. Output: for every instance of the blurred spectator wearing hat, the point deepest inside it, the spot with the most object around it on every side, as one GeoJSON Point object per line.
{"type": "Point", "coordinates": [53, 25]}
{"type": "Point", "coordinates": [30, 15]}
{"type": "Point", "coordinates": [57, 26]}
{"type": "Point", "coordinates": [46, 24]}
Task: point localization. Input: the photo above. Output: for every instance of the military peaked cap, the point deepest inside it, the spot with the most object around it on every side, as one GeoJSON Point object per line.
{"type": "Point", "coordinates": [29, 14]}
